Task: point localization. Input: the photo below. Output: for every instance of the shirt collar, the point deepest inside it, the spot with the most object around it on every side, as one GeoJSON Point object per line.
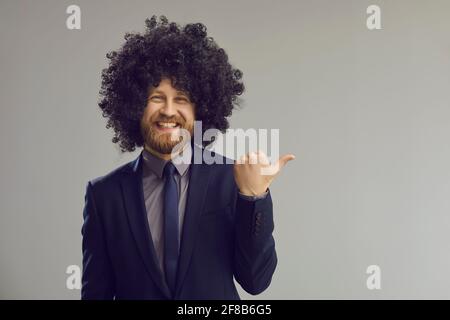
{"type": "Point", "coordinates": [156, 164]}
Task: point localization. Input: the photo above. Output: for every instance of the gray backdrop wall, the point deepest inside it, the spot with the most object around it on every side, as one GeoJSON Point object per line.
{"type": "Point", "coordinates": [365, 112]}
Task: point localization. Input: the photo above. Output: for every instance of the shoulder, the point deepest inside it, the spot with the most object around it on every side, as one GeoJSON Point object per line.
{"type": "Point", "coordinates": [113, 177]}
{"type": "Point", "coordinates": [221, 168]}
{"type": "Point", "coordinates": [217, 161]}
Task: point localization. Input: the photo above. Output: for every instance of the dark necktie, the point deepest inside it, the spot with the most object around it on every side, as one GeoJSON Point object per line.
{"type": "Point", "coordinates": [170, 225]}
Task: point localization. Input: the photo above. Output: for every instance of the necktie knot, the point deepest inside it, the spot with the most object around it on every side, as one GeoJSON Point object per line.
{"type": "Point", "coordinates": [169, 169]}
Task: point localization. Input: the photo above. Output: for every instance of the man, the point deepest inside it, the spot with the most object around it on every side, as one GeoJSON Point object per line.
{"type": "Point", "coordinates": [158, 228]}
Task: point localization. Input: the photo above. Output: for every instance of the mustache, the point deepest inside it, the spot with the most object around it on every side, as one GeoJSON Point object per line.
{"type": "Point", "coordinates": [170, 119]}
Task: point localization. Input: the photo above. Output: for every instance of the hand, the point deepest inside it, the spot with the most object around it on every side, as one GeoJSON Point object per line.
{"type": "Point", "coordinates": [253, 172]}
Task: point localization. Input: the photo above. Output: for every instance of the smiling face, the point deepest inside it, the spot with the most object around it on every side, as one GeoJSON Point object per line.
{"type": "Point", "coordinates": [166, 112]}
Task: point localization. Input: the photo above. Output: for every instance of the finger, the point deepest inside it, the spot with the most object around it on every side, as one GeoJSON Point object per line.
{"type": "Point", "coordinates": [263, 158]}
{"type": "Point", "coordinates": [252, 158]}
{"type": "Point", "coordinates": [283, 160]}
{"type": "Point", "coordinates": [242, 159]}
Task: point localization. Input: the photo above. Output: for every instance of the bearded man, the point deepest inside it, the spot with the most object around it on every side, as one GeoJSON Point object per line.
{"type": "Point", "coordinates": [156, 228]}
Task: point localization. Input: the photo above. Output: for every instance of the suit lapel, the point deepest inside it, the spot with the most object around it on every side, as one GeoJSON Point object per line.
{"type": "Point", "coordinates": [135, 206]}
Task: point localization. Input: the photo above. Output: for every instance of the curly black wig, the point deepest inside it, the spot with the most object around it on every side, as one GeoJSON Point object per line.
{"type": "Point", "coordinates": [186, 55]}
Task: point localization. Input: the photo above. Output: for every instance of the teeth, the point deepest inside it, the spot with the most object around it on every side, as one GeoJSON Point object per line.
{"type": "Point", "coordinates": [167, 124]}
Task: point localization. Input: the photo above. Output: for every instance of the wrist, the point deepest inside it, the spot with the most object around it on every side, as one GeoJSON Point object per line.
{"type": "Point", "coordinates": [255, 193]}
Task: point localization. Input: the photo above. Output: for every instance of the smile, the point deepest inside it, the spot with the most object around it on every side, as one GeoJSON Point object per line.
{"type": "Point", "coordinates": [166, 126]}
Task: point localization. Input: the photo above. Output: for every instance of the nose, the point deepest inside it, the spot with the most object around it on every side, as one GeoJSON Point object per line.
{"type": "Point", "coordinates": [168, 109]}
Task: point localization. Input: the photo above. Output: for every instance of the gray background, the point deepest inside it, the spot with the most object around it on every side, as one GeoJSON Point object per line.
{"type": "Point", "coordinates": [365, 112]}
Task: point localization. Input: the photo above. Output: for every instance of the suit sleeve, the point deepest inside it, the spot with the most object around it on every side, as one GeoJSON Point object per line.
{"type": "Point", "coordinates": [97, 278]}
{"type": "Point", "coordinates": [255, 258]}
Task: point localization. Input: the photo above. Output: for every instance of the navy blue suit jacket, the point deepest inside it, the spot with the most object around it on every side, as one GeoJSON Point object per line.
{"type": "Point", "coordinates": [223, 236]}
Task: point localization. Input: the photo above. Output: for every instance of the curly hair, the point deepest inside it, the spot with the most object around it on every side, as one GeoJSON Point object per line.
{"type": "Point", "coordinates": [186, 55]}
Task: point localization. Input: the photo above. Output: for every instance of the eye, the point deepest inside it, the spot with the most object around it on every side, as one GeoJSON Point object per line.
{"type": "Point", "coordinates": [156, 98]}
{"type": "Point", "coordinates": [182, 99]}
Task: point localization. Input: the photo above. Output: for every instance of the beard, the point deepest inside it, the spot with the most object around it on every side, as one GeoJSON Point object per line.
{"type": "Point", "coordinates": [165, 142]}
